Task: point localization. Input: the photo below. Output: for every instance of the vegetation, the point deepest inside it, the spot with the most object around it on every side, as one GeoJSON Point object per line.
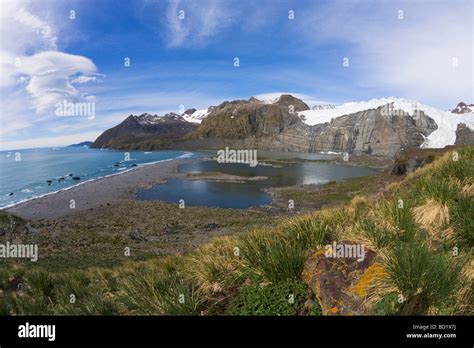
{"type": "Point", "coordinates": [421, 229]}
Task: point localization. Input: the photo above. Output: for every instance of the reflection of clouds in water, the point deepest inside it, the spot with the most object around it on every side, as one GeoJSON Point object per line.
{"type": "Point", "coordinates": [314, 181]}
{"type": "Point", "coordinates": [196, 185]}
{"type": "Point", "coordinates": [244, 195]}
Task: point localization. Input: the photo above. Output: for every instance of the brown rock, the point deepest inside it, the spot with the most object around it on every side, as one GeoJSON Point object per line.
{"type": "Point", "coordinates": [340, 284]}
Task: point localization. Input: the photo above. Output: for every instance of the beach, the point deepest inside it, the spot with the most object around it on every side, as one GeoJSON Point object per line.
{"type": "Point", "coordinates": [97, 193]}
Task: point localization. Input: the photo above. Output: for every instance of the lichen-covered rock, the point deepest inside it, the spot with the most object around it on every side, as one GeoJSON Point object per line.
{"type": "Point", "coordinates": [341, 283]}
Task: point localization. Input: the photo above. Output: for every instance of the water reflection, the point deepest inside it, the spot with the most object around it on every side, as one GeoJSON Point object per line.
{"type": "Point", "coordinates": [244, 195]}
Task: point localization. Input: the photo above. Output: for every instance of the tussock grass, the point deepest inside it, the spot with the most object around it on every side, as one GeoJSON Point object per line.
{"type": "Point", "coordinates": [215, 265]}
{"type": "Point", "coordinates": [463, 221]}
{"type": "Point", "coordinates": [424, 279]}
{"type": "Point", "coordinates": [279, 255]}
{"type": "Point", "coordinates": [398, 220]}
{"type": "Point", "coordinates": [151, 292]}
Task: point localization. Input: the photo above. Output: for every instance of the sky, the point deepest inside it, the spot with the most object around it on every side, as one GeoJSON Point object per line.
{"type": "Point", "coordinates": [129, 57]}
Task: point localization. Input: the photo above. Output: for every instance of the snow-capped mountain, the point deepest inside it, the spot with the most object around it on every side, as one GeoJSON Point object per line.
{"type": "Point", "coordinates": [135, 129]}
{"type": "Point", "coordinates": [447, 122]}
{"type": "Point", "coordinates": [286, 123]}
{"type": "Point", "coordinates": [463, 108]}
{"type": "Point", "coordinates": [149, 120]}
{"type": "Point", "coordinates": [196, 116]}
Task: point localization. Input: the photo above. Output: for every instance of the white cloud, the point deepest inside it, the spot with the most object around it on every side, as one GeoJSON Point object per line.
{"type": "Point", "coordinates": [21, 31]}
{"type": "Point", "coordinates": [83, 79]}
{"type": "Point", "coordinates": [34, 23]}
{"type": "Point", "coordinates": [35, 75]}
{"type": "Point", "coordinates": [49, 77]}
{"type": "Point", "coordinates": [412, 56]}
{"type": "Point", "coordinates": [202, 20]}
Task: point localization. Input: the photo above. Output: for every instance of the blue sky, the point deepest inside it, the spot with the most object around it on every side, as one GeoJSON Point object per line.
{"type": "Point", "coordinates": [419, 50]}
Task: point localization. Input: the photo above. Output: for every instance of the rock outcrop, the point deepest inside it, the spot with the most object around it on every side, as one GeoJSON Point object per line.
{"type": "Point", "coordinates": [464, 135]}
{"type": "Point", "coordinates": [254, 124]}
{"type": "Point", "coordinates": [374, 132]}
{"type": "Point", "coordinates": [341, 283]}
{"type": "Point", "coordinates": [463, 108]}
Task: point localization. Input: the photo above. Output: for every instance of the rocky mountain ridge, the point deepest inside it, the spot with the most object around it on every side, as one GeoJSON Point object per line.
{"type": "Point", "coordinates": [463, 108]}
{"type": "Point", "coordinates": [135, 129]}
{"type": "Point", "coordinates": [280, 125]}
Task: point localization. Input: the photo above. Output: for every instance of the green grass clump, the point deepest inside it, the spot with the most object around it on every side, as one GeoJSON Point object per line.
{"type": "Point", "coordinates": [280, 255]}
{"type": "Point", "coordinates": [462, 215]}
{"type": "Point", "coordinates": [443, 190]}
{"type": "Point", "coordinates": [378, 235]}
{"type": "Point", "coordinates": [425, 279]}
{"type": "Point", "coordinates": [151, 292]}
{"type": "Point", "coordinates": [401, 219]}
{"type": "Point", "coordinates": [282, 298]}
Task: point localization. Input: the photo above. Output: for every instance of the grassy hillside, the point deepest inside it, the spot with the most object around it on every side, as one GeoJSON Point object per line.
{"type": "Point", "coordinates": [421, 228]}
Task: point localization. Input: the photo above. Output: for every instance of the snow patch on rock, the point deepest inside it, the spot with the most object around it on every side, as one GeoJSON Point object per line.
{"type": "Point", "coordinates": [197, 116]}
{"type": "Point", "coordinates": [447, 122]}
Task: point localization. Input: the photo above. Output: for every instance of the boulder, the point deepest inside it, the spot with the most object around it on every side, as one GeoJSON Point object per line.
{"type": "Point", "coordinates": [464, 135]}
{"type": "Point", "coordinates": [341, 283]}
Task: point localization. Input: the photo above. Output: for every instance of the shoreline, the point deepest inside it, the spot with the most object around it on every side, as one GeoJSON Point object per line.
{"type": "Point", "coordinates": [11, 205]}
{"type": "Point", "coordinates": [118, 187]}
{"type": "Point", "coordinates": [96, 192]}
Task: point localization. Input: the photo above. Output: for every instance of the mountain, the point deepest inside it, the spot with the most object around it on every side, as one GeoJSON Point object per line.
{"type": "Point", "coordinates": [463, 108]}
{"type": "Point", "coordinates": [255, 124]}
{"type": "Point", "coordinates": [447, 122]}
{"type": "Point", "coordinates": [196, 116]}
{"type": "Point", "coordinates": [82, 144]}
{"type": "Point", "coordinates": [373, 131]}
{"type": "Point", "coordinates": [135, 129]}
{"type": "Point", "coordinates": [380, 127]}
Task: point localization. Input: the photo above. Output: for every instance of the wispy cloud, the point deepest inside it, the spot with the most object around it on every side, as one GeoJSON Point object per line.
{"type": "Point", "coordinates": [418, 49]}
{"type": "Point", "coordinates": [35, 75]}
{"type": "Point", "coordinates": [192, 23]}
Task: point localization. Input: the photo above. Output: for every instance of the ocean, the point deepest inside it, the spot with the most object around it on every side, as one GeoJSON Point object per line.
{"type": "Point", "coordinates": [26, 174]}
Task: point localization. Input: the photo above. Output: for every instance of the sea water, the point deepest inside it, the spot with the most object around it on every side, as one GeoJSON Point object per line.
{"type": "Point", "coordinates": [26, 174]}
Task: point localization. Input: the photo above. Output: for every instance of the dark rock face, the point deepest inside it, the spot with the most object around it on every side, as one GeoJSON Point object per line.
{"type": "Point", "coordinates": [463, 108]}
{"type": "Point", "coordinates": [146, 126]}
{"type": "Point", "coordinates": [340, 284]}
{"type": "Point", "coordinates": [410, 160]}
{"type": "Point", "coordinates": [374, 132]}
{"type": "Point", "coordinates": [464, 135]}
{"type": "Point", "coordinates": [190, 111]}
